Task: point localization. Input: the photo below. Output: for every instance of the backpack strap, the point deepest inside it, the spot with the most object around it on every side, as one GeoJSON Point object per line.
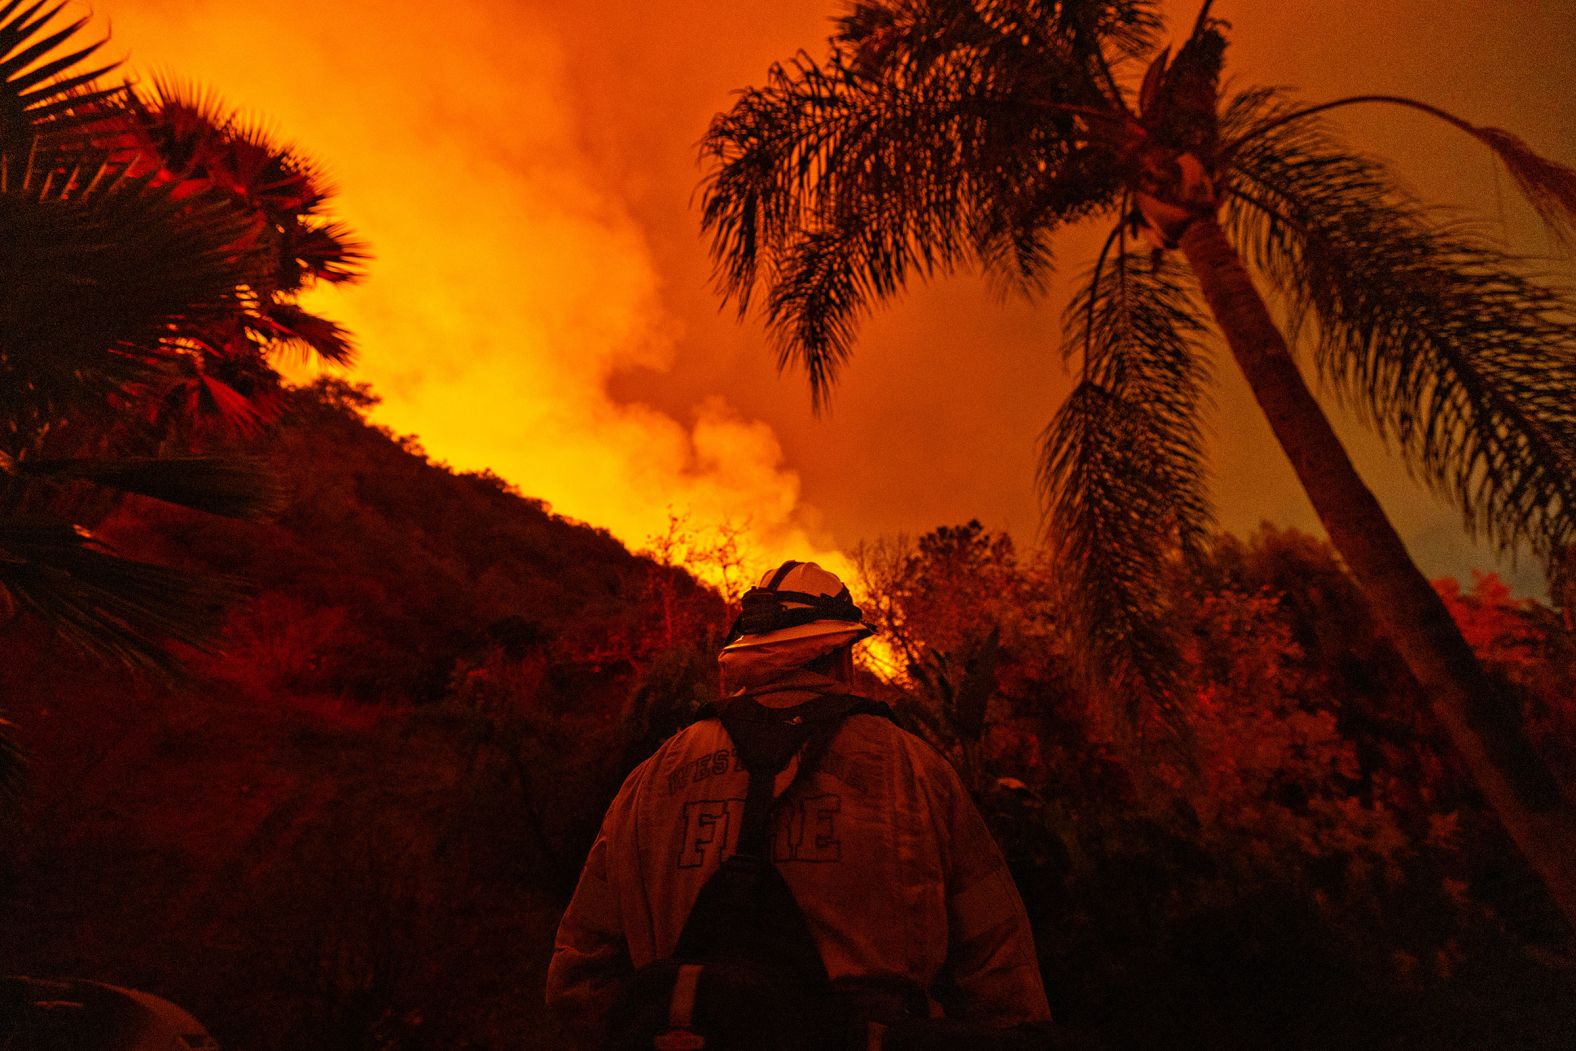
{"type": "Point", "coordinates": [746, 965]}
{"type": "Point", "coordinates": [681, 1035]}
{"type": "Point", "coordinates": [738, 905]}
{"type": "Point", "coordinates": [767, 738]}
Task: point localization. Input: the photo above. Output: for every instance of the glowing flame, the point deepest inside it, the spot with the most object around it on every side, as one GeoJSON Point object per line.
{"type": "Point", "coordinates": [508, 285]}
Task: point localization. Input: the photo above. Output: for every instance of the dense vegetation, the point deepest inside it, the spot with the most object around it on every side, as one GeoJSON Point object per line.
{"type": "Point", "coordinates": [1306, 866]}
{"type": "Point", "coordinates": [356, 827]}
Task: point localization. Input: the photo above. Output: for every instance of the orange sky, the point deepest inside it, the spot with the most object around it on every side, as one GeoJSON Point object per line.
{"type": "Point", "coordinates": [539, 303]}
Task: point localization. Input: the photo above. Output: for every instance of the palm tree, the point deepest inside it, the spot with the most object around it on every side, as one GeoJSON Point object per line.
{"type": "Point", "coordinates": [228, 379]}
{"type": "Point", "coordinates": [112, 269]}
{"type": "Point", "coordinates": [943, 133]}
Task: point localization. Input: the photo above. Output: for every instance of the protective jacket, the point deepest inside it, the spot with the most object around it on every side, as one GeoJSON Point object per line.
{"type": "Point", "coordinates": [884, 851]}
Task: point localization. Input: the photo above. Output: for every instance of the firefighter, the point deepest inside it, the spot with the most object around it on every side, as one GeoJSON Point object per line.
{"type": "Point", "coordinates": [906, 895]}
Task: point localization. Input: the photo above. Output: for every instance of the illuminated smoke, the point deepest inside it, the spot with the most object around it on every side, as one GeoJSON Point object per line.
{"type": "Point", "coordinates": [512, 282]}
{"type": "Point", "coordinates": [508, 286]}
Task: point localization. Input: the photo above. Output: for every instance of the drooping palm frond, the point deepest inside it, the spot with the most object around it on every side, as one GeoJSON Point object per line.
{"type": "Point", "coordinates": [893, 219]}
{"type": "Point", "coordinates": [124, 610]}
{"type": "Point", "coordinates": [1123, 474]}
{"type": "Point", "coordinates": [932, 135]}
{"type": "Point", "coordinates": [1441, 342]}
{"type": "Point", "coordinates": [233, 486]}
{"type": "Point", "coordinates": [823, 284]}
{"type": "Point", "coordinates": [817, 146]}
{"type": "Point", "coordinates": [1549, 186]}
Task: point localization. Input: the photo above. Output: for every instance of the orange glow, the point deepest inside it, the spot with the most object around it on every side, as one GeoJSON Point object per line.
{"type": "Point", "coordinates": [508, 284]}
{"type": "Point", "coordinates": [538, 300]}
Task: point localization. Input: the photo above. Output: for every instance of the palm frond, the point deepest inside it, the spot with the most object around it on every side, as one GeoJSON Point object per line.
{"type": "Point", "coordinates": [929, 31]}
{"type": "Point", "coordinates": [288, 326]}
{"type": "Point", "coordinates": [99, 270]}
{"type": "Point", "coordinates": [195, 135]}
{"type": "Point", "coordinates": [233, 486]}
{"type": "Point", "coordinates": [45, 91]}
{"type": "Point", "coordinates": [114, 607]}
{"type": "Point", "coordinates": [1548, 185]}
{"type": "Point", "coordinates": [192, 113]}
{"type": "Point", "coordinates": [811, 151]}
{"type": "Point", "coordinates": [198, 135]}
{"type": "Point", "coordinates": [932, 135]}
{"type": "Point", "coordinates": [1123, 475]}
{"type": "Point", "coordinates": [1129, 28]}
{"type": "Point", "coordinates": [328, 251]}
{"type": "Point", "coordinates": [1448, 347]}
{"type": "Point", "coordinates": [824, 284]}
{"type": "Point", "coordinates": [1183, 114]}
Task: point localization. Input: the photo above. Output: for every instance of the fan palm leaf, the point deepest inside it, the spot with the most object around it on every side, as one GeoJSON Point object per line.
{"type": "Point", "coordinates": [232, 486]}
{"type": "Point", "coordinates": [113, 266]}
{"type": "Point", "coordinates": [191, 137]}
{"type": "Point", "coordinates": [45, 91]}
{"type": "Point", "coordinates": [99, 269]}
{"type": "Point", "coordinates": [117, 608]}
{"type": "Point", "coordinates": [197, 137]}
{"type": "Point", "coordinates": [287, 326]}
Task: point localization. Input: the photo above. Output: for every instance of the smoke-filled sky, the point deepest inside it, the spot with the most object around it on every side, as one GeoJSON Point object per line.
{"type": "Point", "coordinates": [525, 172]}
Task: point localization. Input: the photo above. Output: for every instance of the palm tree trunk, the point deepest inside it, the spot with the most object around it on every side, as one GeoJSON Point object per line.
{"type": "Point", "coordinates": [1481, 721]}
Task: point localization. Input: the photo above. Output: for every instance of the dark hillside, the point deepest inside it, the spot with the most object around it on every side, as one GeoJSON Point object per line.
{"type": "Point", "coordinates": [346, 831]}
{"type": "Point", "coordinates": [384, 568]}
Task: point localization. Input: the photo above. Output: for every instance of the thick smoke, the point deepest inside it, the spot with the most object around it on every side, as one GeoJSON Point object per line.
{"type": "Point", "coordinates": [522, 168]}
{"type": "Point", "coordinates": [509, 285]}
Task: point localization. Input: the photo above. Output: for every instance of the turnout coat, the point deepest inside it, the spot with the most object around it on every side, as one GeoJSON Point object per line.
{"type": "Point", "coordinates": [884, 851]}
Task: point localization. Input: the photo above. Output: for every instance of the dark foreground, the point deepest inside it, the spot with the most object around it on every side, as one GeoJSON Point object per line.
{"type": "Point", "coordinates": [357, 830]}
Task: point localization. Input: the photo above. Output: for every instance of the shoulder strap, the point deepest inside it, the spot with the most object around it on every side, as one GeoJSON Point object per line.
{"type": "Point", "coordinates": [746, 910]}
{"type": "Point", "coordinates": [767, 738]}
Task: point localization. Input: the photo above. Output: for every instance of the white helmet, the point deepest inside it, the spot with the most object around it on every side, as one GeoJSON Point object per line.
{"type": "Point", "coordinates": [797, 613]}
